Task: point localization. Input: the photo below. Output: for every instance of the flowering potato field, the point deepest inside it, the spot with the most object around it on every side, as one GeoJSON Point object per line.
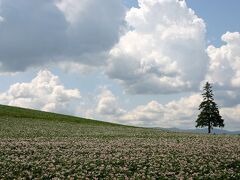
{"type": "Point", "coordinates": [41, 147]}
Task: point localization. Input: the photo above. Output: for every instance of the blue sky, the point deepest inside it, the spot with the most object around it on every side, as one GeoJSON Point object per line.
{"type": "Point", "coordinates": [220, 17]}
{"type": "Point", "coordinates": [94, 65]}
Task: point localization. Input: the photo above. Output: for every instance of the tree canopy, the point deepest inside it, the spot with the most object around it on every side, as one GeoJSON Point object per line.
{"type": "Point", "coordinates": [209, 115]}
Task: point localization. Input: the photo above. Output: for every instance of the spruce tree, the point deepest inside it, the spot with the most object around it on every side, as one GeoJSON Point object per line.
{"type": "Point", "coordinates": [209, 115]}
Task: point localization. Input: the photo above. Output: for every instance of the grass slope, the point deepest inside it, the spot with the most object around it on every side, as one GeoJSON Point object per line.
{"type": "Point", "coordinates": [20, 123]}
{"type": "Point", "coordinates": [40, 145]}
{"type": "Point", "coordinates": [16, 112]}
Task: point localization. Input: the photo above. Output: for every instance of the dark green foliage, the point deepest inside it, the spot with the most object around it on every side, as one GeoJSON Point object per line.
{"type": "Point", "coordinates": [209, 115]}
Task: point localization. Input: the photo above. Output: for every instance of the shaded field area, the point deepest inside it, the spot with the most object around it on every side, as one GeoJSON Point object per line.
{"type": "Point", "coordinates": [39, 145]}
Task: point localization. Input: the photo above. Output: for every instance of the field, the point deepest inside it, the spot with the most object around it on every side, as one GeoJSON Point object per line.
{"type": "Point", "coordinates": [38, 145]}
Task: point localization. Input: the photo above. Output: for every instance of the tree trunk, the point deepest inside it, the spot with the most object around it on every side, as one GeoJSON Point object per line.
{"type": "Point", "coordinates": [209, 129]}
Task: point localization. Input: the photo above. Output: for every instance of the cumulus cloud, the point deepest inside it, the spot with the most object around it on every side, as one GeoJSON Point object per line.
{"type": "Point", "coordinates": [36, 32]}
{"type": "Point", "coordinates": [44, 92]}
{"type": "Point", "coordinates": [164, 50]}
{"type": "Point", "coordinates": [104, 106]}
{"type": "Point", "coordinates": [231, 116]}
{"type": "Point", "coordinates": [181, 113]}
{"type": "Point", "coordinates": [224, 69]}
{"type": "Point", "coordinates": [152, 114]}
{"type": "Point", "coordinates": [107, 104]}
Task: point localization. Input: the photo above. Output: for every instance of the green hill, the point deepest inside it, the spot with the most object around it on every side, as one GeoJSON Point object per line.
{"type": "Point", "coordinates": [17, 112]}
{"type": "Point", "coordinates": [27, 123]}
{"type": "Point", "coordinates": [41, 145]}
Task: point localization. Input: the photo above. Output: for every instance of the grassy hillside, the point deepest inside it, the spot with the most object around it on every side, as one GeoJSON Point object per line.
{"type": "Point", "coordinates": [16, 112]}
{"type": "Point", "coordinates": [20, 123]}
{"type": "Point", "coordinates": [40, 145]}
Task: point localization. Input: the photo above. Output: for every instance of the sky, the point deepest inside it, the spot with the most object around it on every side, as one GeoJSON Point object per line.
{"type": "Point", "coordinates": [132, 62]}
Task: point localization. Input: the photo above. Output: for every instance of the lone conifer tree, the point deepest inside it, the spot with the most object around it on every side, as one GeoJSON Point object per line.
{"type": "Point", "coordinates": [209, 115]}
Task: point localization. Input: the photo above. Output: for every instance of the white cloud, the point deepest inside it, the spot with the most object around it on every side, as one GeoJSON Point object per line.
{"type": "Point", "coordinates": [107, 104]}
{"type": "Point", "coordinates": [76, 68]}
{"type": "Point", "coordinates": [42, 31]}
{"type": "Point", "coordinates": [73, 9]}
{"type": "Point", "coordinates": [1, 19]}
{"type": "Point", "coordinates": [164, 50]}
{"type": "Point", "coordinates": [231, 116]}
{"type": "Point", "coordinates": [224, 69]}
{"type": "Point", "coordinates": [44, 92]}
{"type": "Point", "coordinates": [181, 113]}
